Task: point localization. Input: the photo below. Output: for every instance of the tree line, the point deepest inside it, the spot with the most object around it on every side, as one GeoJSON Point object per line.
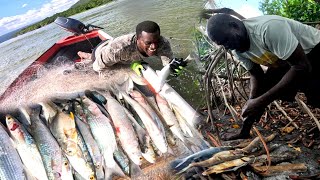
{"type": "Point", "coordinates": [301, 10]}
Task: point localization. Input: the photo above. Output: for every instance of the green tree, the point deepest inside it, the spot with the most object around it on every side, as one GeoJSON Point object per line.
{"type": "Point", "coordinates": [300, 10]}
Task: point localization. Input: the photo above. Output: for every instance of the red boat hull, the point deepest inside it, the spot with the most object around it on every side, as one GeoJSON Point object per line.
{"type": "Point", "coordinates": [66, 47]}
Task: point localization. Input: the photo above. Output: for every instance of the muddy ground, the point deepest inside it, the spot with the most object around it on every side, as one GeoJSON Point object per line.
{"type": "Point", "coordinates": [304, 141]}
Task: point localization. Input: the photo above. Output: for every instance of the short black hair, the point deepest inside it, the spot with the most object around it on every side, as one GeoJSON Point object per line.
{"type": "Point", "coordinates": [147, 26]}
{"type": "Point", "coordinates": [218, 24]}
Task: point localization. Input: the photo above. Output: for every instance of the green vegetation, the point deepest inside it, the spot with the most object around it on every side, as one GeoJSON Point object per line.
{"type": "Point", "coordinates": [80, 6]}
{"type": "Point", "coordinates": [300, 10]}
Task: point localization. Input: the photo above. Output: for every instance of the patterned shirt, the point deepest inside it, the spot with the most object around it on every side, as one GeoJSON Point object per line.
{"type": "Point", "coordinates": [123, 49]}
{"type": "Point", "coordinates": [274, 37]}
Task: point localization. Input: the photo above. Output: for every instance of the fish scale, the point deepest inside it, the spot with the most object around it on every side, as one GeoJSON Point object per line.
{"type": "Point", "coordinates": [91, 144]}
{"type": "Point", "coordinates": [101, 130]}
{"type": "Point", "coordinates": [151, 127]}
{"type": "Point", "coordinates": [49, 148]}
{"type": "Point", "coordinates": [124, 129]}
{"type": "Point", "coordinates": [26, 148]}
{"type": "Point", "coordinates": [11, 167]}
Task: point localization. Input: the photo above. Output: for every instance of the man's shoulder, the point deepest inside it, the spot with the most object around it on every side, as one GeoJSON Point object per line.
{"type": "Point", "coordinates": [264, 20]}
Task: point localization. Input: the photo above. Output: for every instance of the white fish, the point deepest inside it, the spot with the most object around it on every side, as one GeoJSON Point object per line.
{"type": "Point", "coordinates": [169, 117]}
{"type": "Point", "coordinates": [153, 130]}
{"type": "Point", "coordinates": [123, 128]}
{"type": "Point", "coordinates": [49, 148]}
{"type": "Point", "coordinates": [91, 144]}
{"type": "Point", "coordinates": [63, 128]}
{"type": "Point", "coordinates": [11, 167]}
{"type": "Point", "coordinates": [103, 134]}
{"type": "Point", "coordinates": [26, 147]}
{"type": "Point", "coordinates": [187, 112]}
{"type": "Point", "coordinates": [144, 139]}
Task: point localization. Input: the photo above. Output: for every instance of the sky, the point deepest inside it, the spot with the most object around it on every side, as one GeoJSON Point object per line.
{"type": "Point", "coordinates": [247, 8]}
{"type": "Point", "coordinates": [15, 14]}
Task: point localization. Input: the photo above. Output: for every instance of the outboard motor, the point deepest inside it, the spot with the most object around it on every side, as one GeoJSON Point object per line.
{"type": "Point", "coordinates": [74, 25]}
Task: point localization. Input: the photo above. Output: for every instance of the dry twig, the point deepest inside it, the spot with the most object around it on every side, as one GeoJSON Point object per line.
{"type": "Point", "coordinates": [286, 115]}
{"type": "Point", "coordinates": [307, 110]}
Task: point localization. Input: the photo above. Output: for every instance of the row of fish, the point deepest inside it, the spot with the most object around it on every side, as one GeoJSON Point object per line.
{"type": "Point", "coordinates": [104, 133]}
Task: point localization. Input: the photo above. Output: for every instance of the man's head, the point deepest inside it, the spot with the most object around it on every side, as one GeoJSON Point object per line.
{"type": "Point", "coordinates": [228, 31]}
{"type": "Point", "coordinates": [148, 37]}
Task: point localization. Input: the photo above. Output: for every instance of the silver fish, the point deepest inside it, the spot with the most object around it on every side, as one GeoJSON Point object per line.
{"type": "Point", "coordinates": [169, 117]}
{"type": "Point", "coordinates": [63, 128]}
{"type": "Point", "coordinates": [11, 167]}
{"type": "Point", "coordinates": [91, 144]}
{"type": "Point", "coordinates": [144, 139]}
{"type": "Point", "coordinates": [26, 147]}
{"type": "Point", "coordinates": [123, 128]}
{"type": "Point", "coordinates": [189, 114]}
{"type": "Point", "coordinates": [103, 134]}
{"type": "Point", "coordinates": [48, 146]}
{"type": "Point", "coordinates": [153, 130]}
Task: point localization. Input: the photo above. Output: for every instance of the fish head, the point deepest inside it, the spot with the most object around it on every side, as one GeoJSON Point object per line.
{"type": "Point", "coordinates": [71, 148]}
{"type": "Point", "coordinates": [14, 127]}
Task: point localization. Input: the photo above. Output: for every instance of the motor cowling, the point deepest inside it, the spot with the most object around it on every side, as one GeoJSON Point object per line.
{"type": "Point", "coordinates": [71, 25]}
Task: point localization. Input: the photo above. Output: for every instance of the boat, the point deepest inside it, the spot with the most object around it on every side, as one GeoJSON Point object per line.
{"type": "Point", "coordinates": [84, 38]}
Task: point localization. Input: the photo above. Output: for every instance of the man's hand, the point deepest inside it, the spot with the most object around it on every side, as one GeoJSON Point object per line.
{"type": "Point", "coordinates": [252, 108]}
{"type": "Point", "coordinates": [177, 65]}
{"type": "Point", "coordinates": [137, 66]}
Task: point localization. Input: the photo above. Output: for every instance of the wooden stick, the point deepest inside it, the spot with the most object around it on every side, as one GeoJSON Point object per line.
{"type": "Point", "coordinates": [265, 147]}
{"type": "Point", "coordinates": [307, 110]}
{"type": "Point", "coordinates": [279, 169]}
{"type": "Point", "coordinates": [285, 114]}
{"type": "Point", "coordinates": [232, 111]}
{"type": "Point", "coordinates": [255, 143]}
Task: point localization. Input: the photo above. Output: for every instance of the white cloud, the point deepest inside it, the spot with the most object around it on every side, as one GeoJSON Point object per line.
{"type": "Point", "coordinates": [248, 11]}
{"type": "Point", "coordinates": [24, 5]}
{"type": "Point", "coordinates": [11, 23]}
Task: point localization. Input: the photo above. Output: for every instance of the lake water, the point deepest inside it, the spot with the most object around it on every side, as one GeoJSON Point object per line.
{"type": "Point", "coordinates": [177, 20]}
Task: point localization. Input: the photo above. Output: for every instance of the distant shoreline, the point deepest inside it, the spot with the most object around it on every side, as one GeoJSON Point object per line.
{"type": "Point", "coordinates": [80, 6]}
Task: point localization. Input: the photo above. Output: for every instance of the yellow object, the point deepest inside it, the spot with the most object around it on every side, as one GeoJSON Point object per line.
{"type": "Point", "coordinates": [137, 67]}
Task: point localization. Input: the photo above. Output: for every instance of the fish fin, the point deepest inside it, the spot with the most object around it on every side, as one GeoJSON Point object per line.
{"type": "Point", "coordinates": [135, 169]}
{"type": "Point", "coordinates": [170, 151]}
{"type": "Point", "coordinates": [109, 173]}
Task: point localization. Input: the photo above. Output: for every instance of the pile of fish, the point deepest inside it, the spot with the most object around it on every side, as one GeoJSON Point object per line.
{"type": "Point", "coordinates": [215, 161]}
{"type": "Point", "coordinates": [97, 135]}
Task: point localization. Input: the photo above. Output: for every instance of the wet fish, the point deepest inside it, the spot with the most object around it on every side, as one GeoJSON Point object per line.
{"type": "Point", "coordinates": [64, 130]}
{"type": "Point", "coordinates": [90, 142]}
{"type": "Point", "coordinates": [189, 114]}
{"type": "Point", "coordinates": [11, 167]}
{"type": "Point", "coordinates": [123, 128]}
{"type": "Point", "coordinates": [169, 117]}
{"type": "Point", "coordinates": [153, 130]}
{"type": "Point", "coordinates": [66, 170]}
{"type": "Point", "coordinates": [26, 148]}
{"type": "Point", "coordinates": [180, 164]}
{"type": "Point", "coordinates": [103, 133]}
{"type": "Point", "coordinates": [144, 139]}
{"type": "Point", "coordinates": [183, 124]}
{"type": "Point", "coordinates": [122, 160]}
{"type": "Point", "coordinates": [49, 148]}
